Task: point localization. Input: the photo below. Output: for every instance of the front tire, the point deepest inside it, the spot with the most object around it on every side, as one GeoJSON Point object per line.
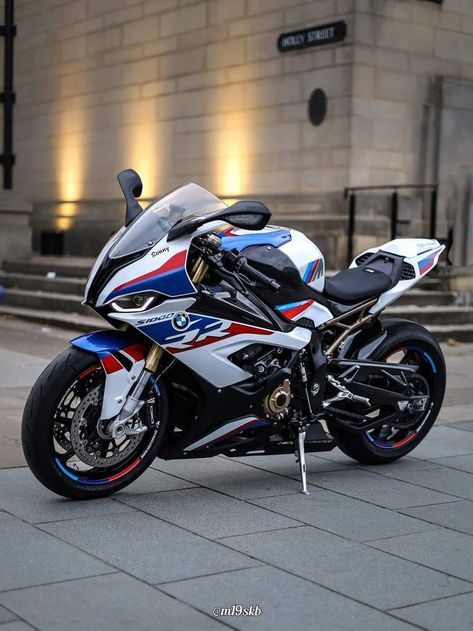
{"type": "Point", "coordinates": [405, 341]}
{"type": "Point", "coordinates": [52, 434]}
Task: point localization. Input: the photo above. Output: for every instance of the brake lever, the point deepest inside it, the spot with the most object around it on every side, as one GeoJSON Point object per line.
{"type": "Point", "coordinates": [216, 261]}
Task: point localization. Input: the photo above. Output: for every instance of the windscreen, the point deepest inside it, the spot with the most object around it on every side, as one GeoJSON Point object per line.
{"type": "Point", "coordinates": [155, 221]}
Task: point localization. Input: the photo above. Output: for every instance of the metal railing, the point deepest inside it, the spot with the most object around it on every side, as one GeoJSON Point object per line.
{"type": "Point", "coordinates": [350, 194]}
{"type": "Point", "coordinates": [7, 97]}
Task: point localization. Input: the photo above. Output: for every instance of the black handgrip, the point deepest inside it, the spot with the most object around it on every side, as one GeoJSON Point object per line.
{"type": "Point", "coordinates": [251, 272]}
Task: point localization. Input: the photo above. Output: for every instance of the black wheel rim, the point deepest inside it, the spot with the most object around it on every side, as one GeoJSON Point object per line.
{"type": "Point", "coordinates": [391, 437]}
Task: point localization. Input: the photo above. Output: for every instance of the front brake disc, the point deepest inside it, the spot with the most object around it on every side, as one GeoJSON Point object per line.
{"type": "Point", "coordinates": [88, 445]}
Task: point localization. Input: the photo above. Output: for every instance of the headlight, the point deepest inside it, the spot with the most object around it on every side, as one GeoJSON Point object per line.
{"type": "Point", "coordinates": [134, 302]}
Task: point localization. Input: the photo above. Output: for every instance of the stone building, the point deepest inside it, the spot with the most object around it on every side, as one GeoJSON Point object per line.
{"type": "Point", "coordinates": [198, 90]}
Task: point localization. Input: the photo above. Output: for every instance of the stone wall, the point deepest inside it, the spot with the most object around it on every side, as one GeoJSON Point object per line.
{"type": "Point", "coordinates": [178, 90]}
{"type": "Point", "coordinates": [197, 90]}
{"type": "Point", "coordinates": [402, 50]}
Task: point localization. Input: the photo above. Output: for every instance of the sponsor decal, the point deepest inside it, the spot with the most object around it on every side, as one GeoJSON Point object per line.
{"type": "Point", "coordinates": [293, 309]}
{"type": "Point", "coordinates": [161, 251]}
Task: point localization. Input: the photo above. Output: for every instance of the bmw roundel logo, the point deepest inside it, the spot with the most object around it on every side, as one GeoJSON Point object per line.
{"type": "Point", "coordinates": [180, 321]}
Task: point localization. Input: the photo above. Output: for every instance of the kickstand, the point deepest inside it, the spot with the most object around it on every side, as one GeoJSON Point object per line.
{"type": "Point", "coordinates": [301, 460]}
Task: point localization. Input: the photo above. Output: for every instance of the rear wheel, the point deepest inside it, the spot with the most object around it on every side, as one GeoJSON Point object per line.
{"type": "Point", "coordinates": [406, 343]}
{"type": "Point", "coordinates": [62, 437]}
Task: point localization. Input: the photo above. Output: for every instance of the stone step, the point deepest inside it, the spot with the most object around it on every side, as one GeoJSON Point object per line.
{"type": "Point", "coordinates": [451, 315]}
{"type": "Point", "coordinates": [69, 267]}
{"type": "Point", "coordinates": [422, 297]}
{"type": "Point", "coordinates": [75, 321]}
{"type": "Point", "coordinates": [43, 300]}
{"type": "Point", "coordinates": [455, 332]}
{"type": "Point", "coordinates": [58, 284]}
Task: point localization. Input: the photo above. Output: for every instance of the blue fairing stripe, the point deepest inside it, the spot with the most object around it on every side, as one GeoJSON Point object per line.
{"type": "Point", "coordinates": [104, 342]}
{"type": "Point", "coordinates": [173, 283]}
{"type": "Point", "coordinates": [240, 242]}
{"type": "Point", "coordinates": [290, 305]}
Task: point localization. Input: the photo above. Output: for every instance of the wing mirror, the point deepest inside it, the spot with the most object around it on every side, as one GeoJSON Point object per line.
{"type": "Point", "coordinates": [132, 187]}
{"type": "Point", "coordinates": [245, 214]}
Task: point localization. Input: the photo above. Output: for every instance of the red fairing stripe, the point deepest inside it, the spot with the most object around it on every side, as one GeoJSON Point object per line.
{"type": "Point", "coordinates": [136, 351]}
{"type": "Point", "coordinates": [176, 261]}
{"type": "Point", "coordinates": [314, 271]}
{"type": "Point", "coordinates": [111, 364]}
{"type": "Point", "coordinates": [295, 311]}
{"type": "Point", "coordinates": [88, 371]}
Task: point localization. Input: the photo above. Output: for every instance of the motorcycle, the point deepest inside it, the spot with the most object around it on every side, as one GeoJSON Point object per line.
{"type": "Point", "coordinates": [227, 338]}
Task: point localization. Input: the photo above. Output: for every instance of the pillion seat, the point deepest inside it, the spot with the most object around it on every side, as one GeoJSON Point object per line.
{"type": "Point", "coordinates": [351, 286]}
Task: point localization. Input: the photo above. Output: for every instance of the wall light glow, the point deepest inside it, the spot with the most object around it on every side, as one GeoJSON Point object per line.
{"type": "Point", "coordinates": [71, 155]}
{"type": "Point", "coordinates": [66, 212]}
{"type": "Point", "coordinates": [141, 145]}
{"type": "Point", "coordinates": [233, 155]}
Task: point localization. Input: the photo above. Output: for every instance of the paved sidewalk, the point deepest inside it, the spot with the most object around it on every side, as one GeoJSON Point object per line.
{"type": "Point", "coordinates": [371, 548]}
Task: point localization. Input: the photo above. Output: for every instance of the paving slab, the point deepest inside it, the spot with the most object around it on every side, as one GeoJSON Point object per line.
{"type": "Point", "coordinates": [5, 615]}
{"type": "Point", "coordinates": [31, 557]}
{"type": "Point", "coordinates": [209, 513]}
{"type": "Point", "coordinates": [23, 496]}
{"type": "Point", "coordinates": [230, 477]}
{"type": "Point", "coordinates": [11, 451]}
{"type": "Point", "coordinates": [343, 516]}
{"type": "Point", "coordinates": [285, 464]}
{"type": "Point", "coordinates": [148, 548]}
{"type": "Point", "coordinates": [429, 449]}
{"type": "Point", "coordinates": [354, 569]}
{"type": "Point", "coordinates": [16, 625]}
{"type": "Point", "coordinates": [403, 464]}
{"type": "Point", "coordinates": [153, 481]}
{"type": "Point", "coordinates": [458, 515]}
{"type": "Point", "coordinates": [455, 413]}
{"type": "Point", "coordinates": [462, 463]}
{"type": "Point", "coordinates": [114, 602]}
{"type": "Point", "coordinates": [23, 369]}
{"type": "Point", "coordinates": [465, 426]}
{"type": "Point", "coordinates": [451, 436]}
{"type": "Point", "coordinates": [378, 489]}
{"type": "Point", "coordinates": [440, 549]}
{"type": "Point", "coordinates": [455, 612]}
{"type": "Point", "coordinates": [311, 606]}
{"type": "Point", "coordinates": [457, 484]}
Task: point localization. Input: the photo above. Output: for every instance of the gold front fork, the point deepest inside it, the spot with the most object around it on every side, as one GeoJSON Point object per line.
{"type": "Point", "coordinates": [153, 358]}
{"type": "Point", "coordinates": [198, 272]}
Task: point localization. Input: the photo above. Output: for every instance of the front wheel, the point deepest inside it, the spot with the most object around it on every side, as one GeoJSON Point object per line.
{"type": "Point", "coordinates": [406, 343]}
{"type": "Point", "coordinates": [61, 436]}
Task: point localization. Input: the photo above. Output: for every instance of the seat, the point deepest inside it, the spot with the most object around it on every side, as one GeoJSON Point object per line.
{"type": "Point", "coordinates": [355, 285]}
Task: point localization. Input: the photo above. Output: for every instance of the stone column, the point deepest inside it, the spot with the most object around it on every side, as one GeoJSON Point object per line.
{"type": "Point", "coordinates": [15, 229]}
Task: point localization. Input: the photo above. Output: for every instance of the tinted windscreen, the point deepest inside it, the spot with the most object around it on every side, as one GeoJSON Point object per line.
{"type": "Point", "coordinates": [160, 216]}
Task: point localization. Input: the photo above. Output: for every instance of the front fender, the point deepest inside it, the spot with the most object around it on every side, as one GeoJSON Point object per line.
{"type": "Point", "coordinates": [123, 359]}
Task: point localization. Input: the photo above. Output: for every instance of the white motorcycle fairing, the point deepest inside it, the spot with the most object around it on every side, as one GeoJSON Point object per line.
{"type": "Point", "coordinates": [204, 343]}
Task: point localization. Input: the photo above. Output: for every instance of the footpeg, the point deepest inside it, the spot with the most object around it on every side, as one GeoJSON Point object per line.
{"type": "Point", "coordinates": [301, 459]}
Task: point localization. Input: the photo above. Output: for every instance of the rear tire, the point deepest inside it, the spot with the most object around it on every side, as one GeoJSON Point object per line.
{"type": "Point", "coordinates": [38, 427]}
{"type": "Point", "coordinates": [364, 447]}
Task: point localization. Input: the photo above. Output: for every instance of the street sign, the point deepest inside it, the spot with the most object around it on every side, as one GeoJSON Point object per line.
{"type": "Point", "coordinates": [314, 36]}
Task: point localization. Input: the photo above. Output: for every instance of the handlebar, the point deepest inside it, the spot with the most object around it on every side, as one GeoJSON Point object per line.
{"type": "Point", "coordinates": [236, 263]}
